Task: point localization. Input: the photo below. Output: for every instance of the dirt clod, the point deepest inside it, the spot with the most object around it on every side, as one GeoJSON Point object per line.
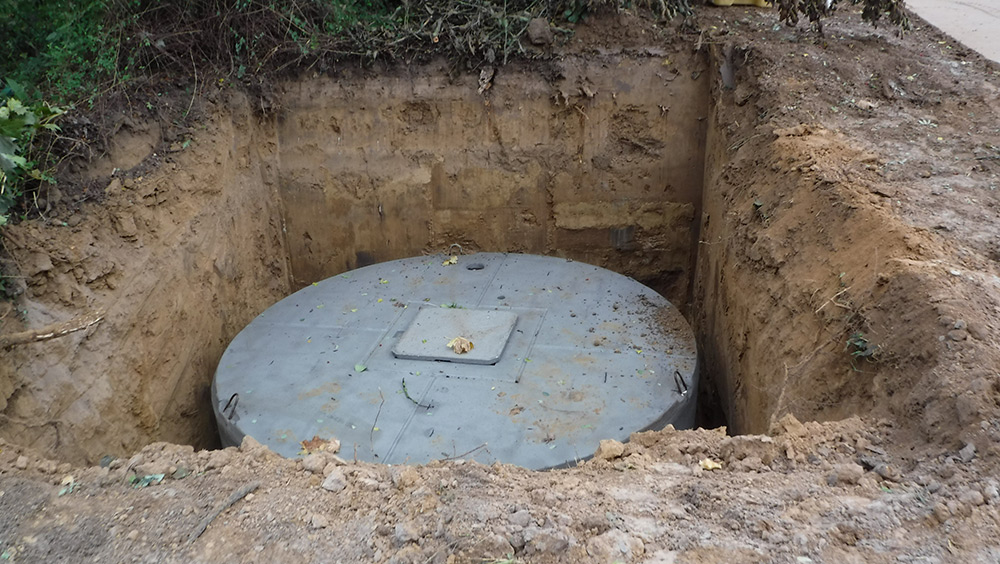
{"type": "Point", "coordinates": [539, 32]}
{"type": "Point", "coordinates": [847, 474]}
{"type": "Point", "coordinates": [335, 481]}
{"type": "Point", "coordinates": [609, 449]}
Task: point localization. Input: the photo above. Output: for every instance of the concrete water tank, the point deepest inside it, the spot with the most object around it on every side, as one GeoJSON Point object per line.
{"type": "Point", "coordinates": [563, 354]}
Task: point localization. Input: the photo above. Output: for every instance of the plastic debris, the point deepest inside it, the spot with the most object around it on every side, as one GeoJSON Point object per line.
{"type": "Point", "coordinates": [68, 485]}
{"type": "Point", "coordinates": [148, 480]}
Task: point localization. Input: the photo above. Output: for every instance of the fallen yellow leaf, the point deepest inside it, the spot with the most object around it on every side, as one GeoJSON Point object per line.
{"type": "Point", "coordinates": [452, 260]}
{"type": "Point", "coordinates": [460, 345]}
{"type": "Point", "coordinates": [317, 444]}
{"type": "Point", "coordinates": [709, 464]}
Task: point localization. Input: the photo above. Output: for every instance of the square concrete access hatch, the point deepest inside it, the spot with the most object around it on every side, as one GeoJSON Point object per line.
{"type": "Point", "coordinates": [432, 329]}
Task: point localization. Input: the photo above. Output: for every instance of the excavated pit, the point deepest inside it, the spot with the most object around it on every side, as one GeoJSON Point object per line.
{"type": "Point", "coordinates": [604, 163]}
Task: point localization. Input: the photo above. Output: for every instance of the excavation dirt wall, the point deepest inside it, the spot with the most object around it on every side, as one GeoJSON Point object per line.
{"type": "Point", "coordinates": [178, 261]}
{"type": "Point", "coordinates": [782, 239]}
{"type": "Point", "coordinates": [601, 163]}
{"type": "Point", "coordinates": [813, 296]}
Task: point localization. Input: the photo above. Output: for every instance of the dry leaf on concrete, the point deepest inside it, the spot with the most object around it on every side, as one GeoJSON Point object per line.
{"type": "Point", "coordinates": [460, 345]}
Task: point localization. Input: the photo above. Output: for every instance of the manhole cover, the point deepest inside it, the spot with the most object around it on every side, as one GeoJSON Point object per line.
{"type": "Point", "coordinates": [563, 354]}
{"type": "Point", "coordinates": [433, 329]}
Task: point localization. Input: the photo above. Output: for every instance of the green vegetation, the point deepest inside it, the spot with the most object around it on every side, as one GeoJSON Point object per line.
{"type": "Point", "coordinates": [71, 52]}
{"type": "Point", "coordinates": [21, 158]}
{"type": "Point", "coordinates": [815, 10]}
{"type": "Point", "coordinates": [860, 347]}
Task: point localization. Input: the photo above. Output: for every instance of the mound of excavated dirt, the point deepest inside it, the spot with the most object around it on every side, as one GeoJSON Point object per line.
{"type": "Point", "coordinates": [822, 208]}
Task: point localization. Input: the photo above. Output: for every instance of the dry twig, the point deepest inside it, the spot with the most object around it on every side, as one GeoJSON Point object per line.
{"type": "Point", "coordinates": [237, 495]}
{"type": "Point", "coordinates": [51, 331]}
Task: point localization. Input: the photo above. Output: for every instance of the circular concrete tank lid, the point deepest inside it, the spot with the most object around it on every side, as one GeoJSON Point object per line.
{"type": "Point", "coordinates": [563, 354]}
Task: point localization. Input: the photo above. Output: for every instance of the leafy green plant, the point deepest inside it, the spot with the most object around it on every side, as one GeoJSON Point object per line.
{"type": "Point", "coordinates": [860, 347]}
{"type": "Point", "coordinates": [815, 10]}
{"type": "Point", "coordinates": [61, 50]}
{"type": "Point", "coordinates": [20, 161]}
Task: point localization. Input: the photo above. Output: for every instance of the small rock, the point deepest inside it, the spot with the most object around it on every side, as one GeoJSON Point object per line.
{"type": "Point", "coordinates": [132, 535]}
{"type": "Point", "coordinates": [48, 466]}
{"type": "Point", "coordinates": [336, 481]}
{"type": "Point", "coordinates": [521, 518]}
{"type": "Point", "coordinates": [609, 449]}
{"type": "Point", "coordinates": [114, 186]}
{"type": "Point", "coordinates": [862, 443]}
{"type": "Point", "coordinates": [972, 497]}
{"type": "Point", "coordinates": [369, 483]}
{"type": "Point", "coordinates": [494, 544]}
{"type": "Point", "coordinates": [405, 477]}
{"type": "Point", "coordinates": [887, 472]}
{"type": "Point", "coordinates": [968, 452]}
{"type": "Point", "coordinates": [977, 332]}
{"type": "Point", "coordinates": [546, 541]}
{"type": "Point", "coordinates": [539, 32]}
{"type": "Point", "coordinates": [406, 532]}
{"type": "Point", "coordinates": [252, 445]}
{"type": "Point", "coordinates": [218, 459]}
{"type": "Point", "coordinates": [753, 463]}
{"type": "Point", "coordinates": [941, 512]}
{"type": "Point", "coordinates": [789, 425]}
{"type": "Point", "coordinates": [848, 473]}
{"type": "Point", "coordinates": [152, 468]}
{"type": "Point", "coordinates": [314, 463]}
{"type": "Point", "coordinates": [74, 220]}
{"type": "Point", "coordinates": [744, 446]}
{"type": "Point", "coordinates": [21, 463]}
{"type": "Point", "coordinates": [866, 105]}
{"type": "Point", "coordinates": [317, 521]}
{"type": "Point", "coordinates": [614, 545]}
{"type": "Point", "coordinates": [991, 493]}
{"type": "Point", "coordinates": [516, 540]}
{"type": "Point", "coordinates": [934, 486]}
{"type": "Point", "coordinates": [958, 334]}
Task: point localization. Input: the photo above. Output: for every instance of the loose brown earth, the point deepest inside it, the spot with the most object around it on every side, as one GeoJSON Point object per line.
{"type": "Point", "coordinates": [789, 191]}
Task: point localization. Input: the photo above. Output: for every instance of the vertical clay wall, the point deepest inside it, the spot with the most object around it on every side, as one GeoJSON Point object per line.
{"type": "Point", "coordinates": [603, 163]}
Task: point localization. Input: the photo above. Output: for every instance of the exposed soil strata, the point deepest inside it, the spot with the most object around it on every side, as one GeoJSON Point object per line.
{"type": "Point", "coordinates": [180, 261]}
{"type": "Point", "coordinates": [603, 164]}
{"type": "Point", "coordinates": [600, 166]}
{"type": "Point", "coordinates": [832, 263]}
{"type": "Point", "coordinates": [846, 265]}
